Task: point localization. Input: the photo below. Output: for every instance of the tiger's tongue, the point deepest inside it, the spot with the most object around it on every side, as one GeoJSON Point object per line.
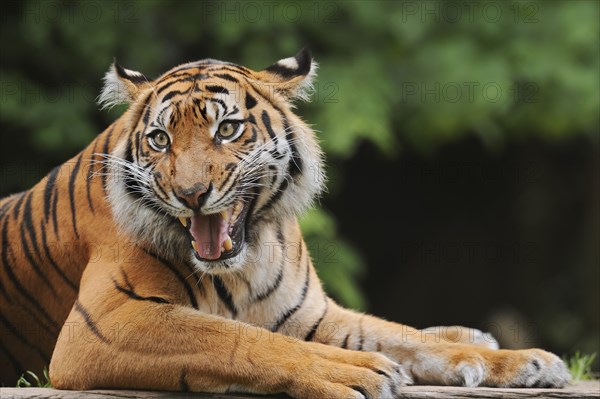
{"type": "Point", "coordinates": [209, 233]}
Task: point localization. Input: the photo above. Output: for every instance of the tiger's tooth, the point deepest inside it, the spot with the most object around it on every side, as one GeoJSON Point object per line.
{"type": "Point", "coordinates": [183, 221]}
{"type": "Point", "coordinates": [224, 215]}
{"type": "Point", "coordinates": [228, 245]}
{"type": "Point", "coordinates": [195, 246]}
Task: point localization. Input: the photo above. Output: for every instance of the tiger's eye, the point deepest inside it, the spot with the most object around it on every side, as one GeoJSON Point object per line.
{"type": "Point", "coordinates": [227, 129]}
{"type": "Point", "coordinates": [159, 140]}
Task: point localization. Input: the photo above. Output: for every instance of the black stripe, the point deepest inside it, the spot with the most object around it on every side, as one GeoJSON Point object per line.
{"type": "Point", "coordinates": [171, 94]}
{"type": "Point", "coordinates": [313, 330]}
{"type": "Point", "coordinates": [90, 173]}
{"type": "Point", "coordinates": [13, 361]}
{"type": "Point", "coordinates": [225, 295]}
{"type": "Point", "coordinates": [10, 327]}
{"type": "Point", "coordinates": [230, 168]}
{"type": "Point", "coordinates": [130, 291]}
{"type": "Point", "coordinates": [252, 138]}
{"type": "Point", "coordinates": [273, 287]}
{"type": "Point", "coordinates": [27, 223]}
{"type": "Point", "coordinates": [4, 208]}
{"type": "Point", "coordinates": [3, 290]}
{"type": "Point", "coordinates": [54, 212]}
{"type": "Point", "coordinates": [293, 310]}
{"type": "Point", "coordinates": [106, 150]}
{"type": "Point", "coordinates": [296, 164]}
{"type": "Point", "coordinates": [9, 272]}
{"type": "Point", "coordinates": [217, 89]}
{"type": "Point", "coordinates": [146, 117]}
{"type": "Point", "coordinates": [234, 110]}
{"type": "Point", "coordinates": [275, 197]}
{"type": "Point", "coordinates": [345, 343]}
{"type": "Point", "coordinates": [17, 206]}
{"type": "Point", "coordinates": [279, 278]}
{"type": "Point", "coordinates": [199, 280]}
{"type": "Point", "coordinates": [226, 76]}
{"type": "Point", "coordinates": [231, 68]}
{"type": "Point", "coordinates": [183, 385]}
{"type": "Point", "coordinates": [267, 122]}
{"type": "Point", "coordinates": [280, 236]}
{"type": "Point", "coordinates": [197, 65]}
{"type": "Point", "coordinates": [177, 274]}
{"type": "Point", "coordinates": [144, 112]}
{"type": "Point", "coordinates": [133, 295]}
{"type": "Point", "coordinates": [187, 78]}
{"type": "Point", "coordinates": [222, 103]}
{"type": "Point", "coordinates": [361, 337]}
{"type": "Point", "coordinates": [162, 191]}
{"type": "Point", "coordinates": [138, 143]}
{"type": "Point", "coordinates": [50, 259]}
{"type": "Point", "coordinates": [199, 107]}
{"type": "Point", "coordinates": [90, 323]}
{"type": "Point", "coordinates": [28, 229]}
{"type": "Point", "coordinates": [72, 195]}
{"type": "Point", "coordinates": [36, 267]}
{"type": "Point", "coordinates": [132, 184]}
{"type": "Point", "coordinates": [250, 101]}
{"type": "Point", "coordinates": [48, 191]}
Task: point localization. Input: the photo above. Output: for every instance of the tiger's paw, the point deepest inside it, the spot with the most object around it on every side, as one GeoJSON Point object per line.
{"type": "Point", "coordinates": [356, 375]}
{"type": "Point", "coordinates": [540, 369]}
{"type": "Point", "coordinates": [531, 368]}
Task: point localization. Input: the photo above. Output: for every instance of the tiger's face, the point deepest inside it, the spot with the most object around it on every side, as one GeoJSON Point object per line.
{"type": "Point", "coordinates": [213, 152]}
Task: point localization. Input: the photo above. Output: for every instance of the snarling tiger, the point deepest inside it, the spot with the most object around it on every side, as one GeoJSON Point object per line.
{"type": "Point", "coordinates": [167, 255]}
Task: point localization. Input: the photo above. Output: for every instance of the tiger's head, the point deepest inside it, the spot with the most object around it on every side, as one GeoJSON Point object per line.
{"type": "Point", "coordinates": [211, 151]}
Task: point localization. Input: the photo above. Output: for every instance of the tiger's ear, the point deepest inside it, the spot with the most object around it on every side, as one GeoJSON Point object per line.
{"type": "Point", "coordinates": [291, 77]}
{"type": "Point", "coordinates": [121, 86]}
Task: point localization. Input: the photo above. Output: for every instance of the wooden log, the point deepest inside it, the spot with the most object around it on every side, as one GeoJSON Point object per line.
{"type": "Point", "coordinates": [581, 390]}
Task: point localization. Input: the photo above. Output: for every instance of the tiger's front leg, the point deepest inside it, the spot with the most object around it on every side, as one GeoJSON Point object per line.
{"type": "Point", "coordinates": [431, 360]}
{"type": "Point", "coordinates": [135, 327]}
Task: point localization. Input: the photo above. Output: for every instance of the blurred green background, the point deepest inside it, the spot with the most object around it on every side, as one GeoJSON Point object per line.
{"type": "Point", "coordinates": [462, 140]}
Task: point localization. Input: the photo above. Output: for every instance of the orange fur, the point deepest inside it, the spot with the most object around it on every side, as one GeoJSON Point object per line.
{"type": "Point", "coordinates": [85, 256]}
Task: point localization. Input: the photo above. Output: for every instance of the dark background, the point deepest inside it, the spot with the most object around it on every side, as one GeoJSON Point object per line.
{"type": "Point", "coordinates": [462, 140]}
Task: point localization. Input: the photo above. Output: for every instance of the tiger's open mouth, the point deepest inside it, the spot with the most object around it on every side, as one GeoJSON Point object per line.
{"type": "Point", "coordinates": [217, 236]}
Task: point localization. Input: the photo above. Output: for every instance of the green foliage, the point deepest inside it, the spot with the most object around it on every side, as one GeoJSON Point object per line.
{"type": "Point", "coordinates": [396, 74]}
{"type": "Point", "coordinates": [23, 382]}
{"type": "Point", "coordinates": [580, 366]}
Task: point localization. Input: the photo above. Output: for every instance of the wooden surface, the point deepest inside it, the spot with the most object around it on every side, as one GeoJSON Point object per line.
{"type": "Point", "coordinates": [587, 389]}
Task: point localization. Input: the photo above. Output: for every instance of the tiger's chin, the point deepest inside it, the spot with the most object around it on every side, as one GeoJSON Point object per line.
{"type": "Point", "coordinates": [220, 266]}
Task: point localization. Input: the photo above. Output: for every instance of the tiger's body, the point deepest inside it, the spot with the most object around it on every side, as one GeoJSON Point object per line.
{"type": "Point", "coordinates": [100, 281]}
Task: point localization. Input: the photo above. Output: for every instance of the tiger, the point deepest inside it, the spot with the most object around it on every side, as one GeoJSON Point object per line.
{"type": "Point", "coordinates": [167, 255]}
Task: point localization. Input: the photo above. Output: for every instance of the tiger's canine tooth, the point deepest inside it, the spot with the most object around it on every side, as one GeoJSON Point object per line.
{"type": "Point", "coordinates": [224, 215]}
{"type": "Point", "coordinates": [227, 244]}
{"type": "Point", "coordinates": [183, 221]}
{"type": "Point", "coordinates": [195, 246]}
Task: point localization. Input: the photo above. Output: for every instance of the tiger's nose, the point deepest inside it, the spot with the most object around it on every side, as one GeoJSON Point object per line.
{"type": "Point", "coordinates": [194, 197]}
